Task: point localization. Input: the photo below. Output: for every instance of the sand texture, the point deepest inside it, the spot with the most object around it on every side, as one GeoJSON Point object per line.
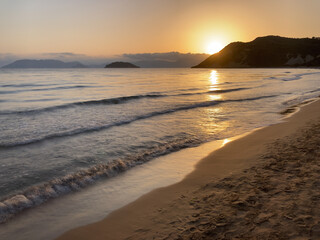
{"type": "Point", "coordinates": [263, 186]}
{"type": "Point", "coordinates": [278, 199]}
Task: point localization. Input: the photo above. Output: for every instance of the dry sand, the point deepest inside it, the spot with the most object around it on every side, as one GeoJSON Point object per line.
{"type": "Point", "coordinates": [263, 186]}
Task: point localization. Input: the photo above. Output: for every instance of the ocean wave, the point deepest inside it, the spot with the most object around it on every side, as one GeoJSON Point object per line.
{"type": "Point", "coordinates": [218, 91]}
{"type": "Point", "coordinates": [189, 89]}
{"type": "Point", "coordinates": [315, 90]}
{"type": "Point", "coordinates": [297, 76]}
{"type": "Point", "coordinates": [42, 100]}
{"type": "Point", "coordinates": [117, 100]}
{"type": "Point", "coordinates": [45, 89]}
{"type": "Point", "coordinates": [302, 98]}
{"type": "Point", "coordinates": [36, 195]}
{"type": "Point", "coordinates": [128, 121]}
{"type": "Point", "coordinates": [228, 90]}
{"type": "Point", "coordinates": [107, 101]}
{"type": "Point", "coordinates": [26, 85]}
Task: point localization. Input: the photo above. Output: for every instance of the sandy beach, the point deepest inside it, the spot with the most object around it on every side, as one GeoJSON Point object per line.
{"type": "Point", "coordinates": [262, 186]}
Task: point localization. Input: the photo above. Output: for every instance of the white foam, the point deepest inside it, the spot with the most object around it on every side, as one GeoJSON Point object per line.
{"type": "Point", "coordinates": [18, 203]}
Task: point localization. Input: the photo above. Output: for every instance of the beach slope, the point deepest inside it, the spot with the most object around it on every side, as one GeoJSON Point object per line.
{"type": "Point", "coordinates": [263, 185]}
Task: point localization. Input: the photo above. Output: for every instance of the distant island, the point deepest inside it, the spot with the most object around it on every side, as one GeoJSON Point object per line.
{"type": "Point", "coordinates": [121, 65]}
{"type": "Point", "coordinates": [43, 63]}
{"type": "Point", "coordinates": [269, 51]}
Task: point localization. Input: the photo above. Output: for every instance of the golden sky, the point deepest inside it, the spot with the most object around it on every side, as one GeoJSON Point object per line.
{"type": "Point", "coordinates": [109, 27]}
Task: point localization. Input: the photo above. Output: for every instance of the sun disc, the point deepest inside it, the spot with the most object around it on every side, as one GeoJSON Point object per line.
{"type": "Point", "coordinates": [214, 47]}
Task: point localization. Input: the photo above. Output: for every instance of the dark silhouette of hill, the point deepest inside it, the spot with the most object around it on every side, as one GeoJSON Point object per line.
{"type": "Point", "coordinates": [269, 51]}
{"type": "Point", "coordinates": [121, 65]}
{"type": "Point", "coordinates": [43, 63]}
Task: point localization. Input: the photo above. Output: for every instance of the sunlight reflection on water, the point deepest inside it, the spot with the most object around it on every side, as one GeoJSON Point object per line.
{"type": "Point", "coordinates": [214, 77]}
{"type": "Point", "coordinates": [214, 81]}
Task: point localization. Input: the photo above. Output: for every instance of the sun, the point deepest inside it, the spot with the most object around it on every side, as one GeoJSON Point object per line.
{"type": "Point", "coordinates": [213, 47]}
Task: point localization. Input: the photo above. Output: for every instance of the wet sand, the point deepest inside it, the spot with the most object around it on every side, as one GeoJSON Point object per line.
{"type": "Point", "coordinates": [262, 186]}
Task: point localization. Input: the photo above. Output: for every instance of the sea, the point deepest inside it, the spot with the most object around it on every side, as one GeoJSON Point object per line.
{"type": "Point", "coordinates": [76, 144]}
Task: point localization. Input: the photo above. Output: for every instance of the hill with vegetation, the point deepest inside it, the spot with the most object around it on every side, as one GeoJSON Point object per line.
{"type": "Point", "coordinates": [269, 51]}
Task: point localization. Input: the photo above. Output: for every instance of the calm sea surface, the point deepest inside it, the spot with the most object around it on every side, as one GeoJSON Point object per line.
{"type": "Point", "coordinates": [62, 130]}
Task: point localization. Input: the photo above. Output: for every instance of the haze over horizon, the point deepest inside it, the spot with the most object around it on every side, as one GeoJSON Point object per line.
{"type": "Point", "coordinates": [97, 30]}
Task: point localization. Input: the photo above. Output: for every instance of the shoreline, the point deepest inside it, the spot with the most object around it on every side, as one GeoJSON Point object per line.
{"type": "Point", "coordinates": [117, 192]}
{"type": "Point", "coordinates": [151, 213]}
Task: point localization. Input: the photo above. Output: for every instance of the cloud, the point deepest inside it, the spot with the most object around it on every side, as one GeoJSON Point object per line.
{"type": "Point", "coordinates": [169, 56]}
{"type": "Point", "coordinates": [169, 59]}
{"type": "Point", "coordinates": [71, 57]}
{"type": "Point", "coordinates": [65, 55]}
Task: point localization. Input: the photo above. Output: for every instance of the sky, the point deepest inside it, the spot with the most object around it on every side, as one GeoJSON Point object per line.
{"type": "Point", "coordinates": [100, 28]}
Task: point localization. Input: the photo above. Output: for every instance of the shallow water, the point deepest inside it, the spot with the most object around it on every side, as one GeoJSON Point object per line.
{"type": "Point", "coordinates": [52, 219]}
{"type": "Point", "coordinates": [62, 130]}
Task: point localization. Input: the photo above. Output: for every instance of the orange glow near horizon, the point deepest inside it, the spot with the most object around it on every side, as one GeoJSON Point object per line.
{"type": "Point", "coordinates": [214, 47]}
{"type": "Point", "coordinates": [115, 27]}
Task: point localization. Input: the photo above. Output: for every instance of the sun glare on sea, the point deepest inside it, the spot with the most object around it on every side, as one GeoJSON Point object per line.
{"type": "Point", "coordinates": [214, 77]}
{"type": "Point", "coordinates": [213, 47]}
{"type": "Point", "coordinates": [214, 81]}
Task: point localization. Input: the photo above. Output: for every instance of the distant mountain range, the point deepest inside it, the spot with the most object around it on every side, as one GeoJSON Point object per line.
{"type": "Point", "coordinates": [45, 63]}
{"type": "Point", "coordinates": [269, 51]}
{"type": "Point", "coordinates": [144, 60]}
{"type": "Point", "coordinates": [121, 65]}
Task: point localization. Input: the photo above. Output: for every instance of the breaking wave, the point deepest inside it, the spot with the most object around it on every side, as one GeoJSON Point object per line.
{"type": "Point", "coordinates": [36, 195]}
{"type": "Point", "coordinates": [294, 77]}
